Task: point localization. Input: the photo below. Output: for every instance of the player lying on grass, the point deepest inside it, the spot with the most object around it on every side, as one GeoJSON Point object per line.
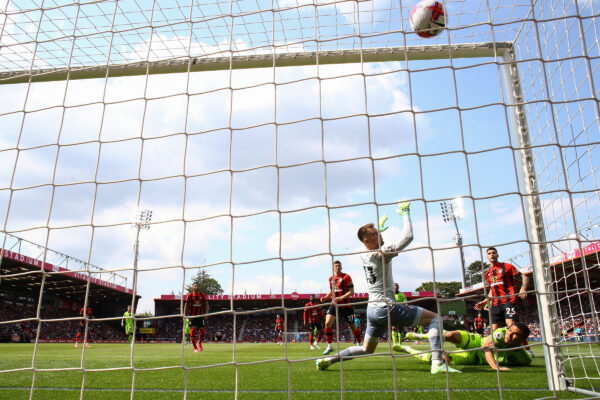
{"type": "Point", "coordinates": [481, 349]}
{"type": "Point", "coordinates": [377, 264]}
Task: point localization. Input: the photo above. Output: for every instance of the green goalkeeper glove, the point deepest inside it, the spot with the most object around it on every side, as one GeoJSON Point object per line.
{"type": "Point", "coordinates": [382, 221]}
{"type": "Point", "coordinates": [403, 208]}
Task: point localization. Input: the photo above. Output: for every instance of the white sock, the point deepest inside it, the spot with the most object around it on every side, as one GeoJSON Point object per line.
{"type": "Point", "coordinates": [435, 341]}
{"type": "Point", "coordinates": [349, 352]}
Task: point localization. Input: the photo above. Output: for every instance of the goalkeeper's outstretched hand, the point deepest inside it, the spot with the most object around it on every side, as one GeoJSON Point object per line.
{"type": "Point", "coordinates": [403, 208]}
{"type": "Point", "coordinates": [382, 221]}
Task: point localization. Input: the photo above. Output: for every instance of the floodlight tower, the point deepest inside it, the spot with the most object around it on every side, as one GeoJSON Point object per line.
{"type": "Point", "coordinates": [142, 221]}
{"type": "Point", "coordinates": [143, 218]}
{"type": "Point", "coordinates": [452, 211]}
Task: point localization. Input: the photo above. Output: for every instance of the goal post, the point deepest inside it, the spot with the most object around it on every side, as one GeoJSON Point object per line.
{"type": "Point", "coordinates": [534, 219]}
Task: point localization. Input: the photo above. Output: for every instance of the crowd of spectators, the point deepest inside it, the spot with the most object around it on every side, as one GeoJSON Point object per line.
{"type": "Point", "coordinates": [575, 316]}
{"type": "Point", "coordinates": [259, 328]}
{"type": "Point", "coordinates": [26, 331]}
{"type": "Point", "coordinates": [256, 328]}
{"type": "Point", "coordinates": [18, 331]}
{"type": "Point", "coordinates": [218, 328]}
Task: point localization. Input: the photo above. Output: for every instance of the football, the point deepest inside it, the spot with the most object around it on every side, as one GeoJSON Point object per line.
{"type": "Point", "coordinates": [428, 18]}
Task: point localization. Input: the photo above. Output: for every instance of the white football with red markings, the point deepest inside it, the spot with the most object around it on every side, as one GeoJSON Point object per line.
{"type": "Point", "coordinates": [428, 18]}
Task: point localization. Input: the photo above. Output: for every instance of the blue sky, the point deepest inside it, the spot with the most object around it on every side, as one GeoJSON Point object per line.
{"type": "Point", "coordinates": [322, 145]}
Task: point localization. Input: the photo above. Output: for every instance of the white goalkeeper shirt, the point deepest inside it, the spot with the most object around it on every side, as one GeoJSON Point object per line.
{"type": "Point", "coordinates": [378, 268]}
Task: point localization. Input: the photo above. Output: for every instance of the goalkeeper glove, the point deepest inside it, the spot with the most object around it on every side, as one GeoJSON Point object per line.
{"type": "Point", "coordinates": [403, 208]}
{"type": "Point", "coordinates": [382, 221]}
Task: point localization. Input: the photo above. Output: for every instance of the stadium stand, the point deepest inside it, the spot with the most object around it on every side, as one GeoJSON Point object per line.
{"type": "Point", "coordinates": [63, 296]}
{"type": "Point", "coordinates": [253, 324]}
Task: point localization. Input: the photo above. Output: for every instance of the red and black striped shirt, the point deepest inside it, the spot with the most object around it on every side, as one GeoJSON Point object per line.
{"type": "Point", "coordinates": [340, 285]}
{"type": "Point", "coordinates": [195, 303]}
{"type": "Point", "coordinates": [83, 311]}
{"type": "Point", "coordinates": [312, 315]}
{"type": "Point", "coordinates": [501, 280]}
{"type": "Point", "coordinates": [478, 323]}
{"type": "Point", "coordinates": [279, 324]}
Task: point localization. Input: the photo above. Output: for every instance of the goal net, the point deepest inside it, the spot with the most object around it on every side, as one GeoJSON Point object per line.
{"type": "Point", "coordinates": [559, 86]}
{"type": "Point", "coordinates": [261, 135]}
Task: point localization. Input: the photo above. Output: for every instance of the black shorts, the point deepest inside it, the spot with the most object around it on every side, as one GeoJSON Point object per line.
{"type": "Point", "coordinates": [318, 325]}
{"type": "Point", "coordinates": [345, 313]}
{"type": "Point", "coordinates": [279, 332]}
{"type": "Point", "coordinates": [81, 327]}
{"type": "Point", "coordinates": [479, 330]}
{"type": "Point", "coordinates": [502, 312]}
{"type": "Point", "coordinates": [198, 322]}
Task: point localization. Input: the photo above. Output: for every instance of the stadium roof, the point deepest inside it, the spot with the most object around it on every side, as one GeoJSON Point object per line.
{"type": "Point", "coordinates": [24, 275]}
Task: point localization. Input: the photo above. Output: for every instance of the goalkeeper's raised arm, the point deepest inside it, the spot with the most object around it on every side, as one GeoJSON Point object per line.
{"type": "Point", "coordinates": [407, 233]}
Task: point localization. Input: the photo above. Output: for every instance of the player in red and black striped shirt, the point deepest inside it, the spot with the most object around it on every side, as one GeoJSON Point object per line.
{"type": "Point", "coordinates": [279, 329]}
{"type": "Point", "coordinates": [500, 278]}
{"type": "Point", "coordinates": [196, 304]}
{"type": "Point", "coordinates": [479, 324]}
{"type": "Point", "coordinates": [313, 319]}
{"type": "Point", "coordinates": [82, 324]}
{"type": "Point", "coordinates": [341, 289]}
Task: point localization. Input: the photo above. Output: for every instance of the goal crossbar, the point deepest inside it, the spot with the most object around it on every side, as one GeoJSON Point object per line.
{"type": "Point", "coordinates": [195, 64]}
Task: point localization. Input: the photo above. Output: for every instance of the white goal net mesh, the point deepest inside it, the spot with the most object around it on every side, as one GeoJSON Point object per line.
{"type": "Point", "coordinates": [559, 76]}
{"type": "Point", "coordinates": [262, 134]}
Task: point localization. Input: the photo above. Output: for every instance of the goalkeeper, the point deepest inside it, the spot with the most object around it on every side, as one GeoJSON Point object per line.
{"type": "Point", "coordinates": [480, 350]}
{"type": "Point", "coordinates": [377, 264]}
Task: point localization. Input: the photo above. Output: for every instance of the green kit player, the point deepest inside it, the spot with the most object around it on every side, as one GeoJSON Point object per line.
{"type": "Point", "coordinates": [482, 348]}
{"type": "Point", "coordinates": [187, 331]}
{"type": "Point", "coordinates": [398, 331]}
{"type": "Point", "coordinates": [127, 323]}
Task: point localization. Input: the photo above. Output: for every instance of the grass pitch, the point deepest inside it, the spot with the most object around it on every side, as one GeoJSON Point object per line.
{"type": "Point", "coordinates": [263, 371]}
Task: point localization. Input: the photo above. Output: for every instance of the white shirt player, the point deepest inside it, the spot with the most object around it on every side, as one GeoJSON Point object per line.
{"type": "Point", "coordinates": [378, 268]}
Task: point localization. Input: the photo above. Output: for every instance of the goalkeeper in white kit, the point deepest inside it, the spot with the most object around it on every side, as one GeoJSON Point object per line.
{"type": "Point", "coordinates": [377, 264]}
